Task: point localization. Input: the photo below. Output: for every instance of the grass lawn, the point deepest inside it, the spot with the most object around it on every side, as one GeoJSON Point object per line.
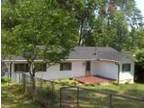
{"type": "Point", "coordinates": [117, 102]}
{"type": "Point", "coordinates": [124, 89]}
{"type": "Point", "coordinates": [96, 98]}
{"type": "Point", "coordinates": [12, 97]}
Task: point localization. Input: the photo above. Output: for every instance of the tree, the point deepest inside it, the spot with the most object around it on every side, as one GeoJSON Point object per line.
{"type": "Point", "coordinates": [9, 21]}
{"type": "Point", "coordinates": [135, 39]}
{"type": "Point", "coordinates": [84, 13]}
{"type": "Point", "coordinates": [44, 31]}
{"type": "Point", "coordinates": [48, 29]}
{"type": "Point", "coordinates": [8, 42]}
{"type": "Point", "coordinates": [100, 21]}
{"type": "Point", "coordinates": [139, 74]}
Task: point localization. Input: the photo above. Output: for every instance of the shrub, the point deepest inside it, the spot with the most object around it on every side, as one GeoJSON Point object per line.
{"type": "Point", "coordinates": [5, 79]}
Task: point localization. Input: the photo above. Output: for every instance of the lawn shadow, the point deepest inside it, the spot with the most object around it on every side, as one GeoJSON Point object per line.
{"type": "Point", "coordinates": [13, 97]}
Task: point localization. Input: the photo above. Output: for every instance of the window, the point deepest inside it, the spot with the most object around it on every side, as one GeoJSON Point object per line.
{"type": "Point", "coordinates": [40, 67]}
{"type": "Point", "coordinates": [126, 67]}
{"type": "Point", "coordinates": [21, 67]}
{"type": "Point", "coordinates": [65, 66]}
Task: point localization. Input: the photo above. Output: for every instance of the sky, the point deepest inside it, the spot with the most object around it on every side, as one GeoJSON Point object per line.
{"type": "Point", "coordinates": [140, 5]}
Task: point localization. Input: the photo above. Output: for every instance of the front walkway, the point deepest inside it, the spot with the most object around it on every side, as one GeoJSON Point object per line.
{"type": "Point", "coordinates": [93, 80]}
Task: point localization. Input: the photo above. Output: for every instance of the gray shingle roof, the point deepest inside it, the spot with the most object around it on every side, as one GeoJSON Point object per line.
{"type": "Point", "coordinates": [95, 53]}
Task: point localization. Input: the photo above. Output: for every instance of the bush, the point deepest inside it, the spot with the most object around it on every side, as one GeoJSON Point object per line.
{"type": "Point", "coordinates": [5, 79]}
{"type": "Point", "coordinates": [139, 67]}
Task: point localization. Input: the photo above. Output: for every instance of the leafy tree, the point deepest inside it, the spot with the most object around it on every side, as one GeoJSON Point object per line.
{"type": "Point", "coordinates": [41, 29]}
{"type": "Point", "coordinates": [139, 74]}
{"type": "Point", "coordinates": [48, 29]}
{"type": "Point", "coordinates": [100, 21]}
{"type": "Point", "coordinates": [135, 39]}
{"type": "Point", "coordinates": [9, 21]}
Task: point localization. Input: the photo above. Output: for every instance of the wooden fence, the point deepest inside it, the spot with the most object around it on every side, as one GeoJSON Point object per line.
{"type": "Point", "coordinates": [77, 97]}
{"type": "Point", "coordinates": [47, 92]}
{"type": "Point", "coordinates": [51, 94]}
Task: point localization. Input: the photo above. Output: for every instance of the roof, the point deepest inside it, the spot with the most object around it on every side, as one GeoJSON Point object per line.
{"type": "Point", "coordinates": [93, 53]}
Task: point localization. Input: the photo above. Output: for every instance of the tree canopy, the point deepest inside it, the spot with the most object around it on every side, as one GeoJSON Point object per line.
{"type": "Point", "coordinates": [38, 27]}
{"type": "Point", "coordinates": [105, 22]}
{"type": "Point", "coordinates": [49, 29]}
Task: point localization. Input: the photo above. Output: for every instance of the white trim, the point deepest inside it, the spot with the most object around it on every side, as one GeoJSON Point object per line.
{"type": "Point", "coordinates": [64, 60]}
{"type": "Point", "coordinates": [108, 60]}
{"type": "Point", "coordinates": [94, 60]}
{"type": "Point", "coordinates": [20, 60]}
{"type": "Point", "coordinates": [81, 59]}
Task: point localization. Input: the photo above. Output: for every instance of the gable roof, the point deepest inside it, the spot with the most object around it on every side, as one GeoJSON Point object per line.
{"type": "Point", "coordinates": [93, 53]}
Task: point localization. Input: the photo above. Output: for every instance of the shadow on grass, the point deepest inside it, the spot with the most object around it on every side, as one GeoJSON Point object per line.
{"type": "Point", "coordinates": [13, 97]}
{"type": "Point", "coordinates": [135, 92]}
{"type": "Point", "coordinates": [99, 97]}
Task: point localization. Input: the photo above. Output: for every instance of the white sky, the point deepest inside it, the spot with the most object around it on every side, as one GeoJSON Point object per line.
{"type": "Point", "coordinates": [140, 5]}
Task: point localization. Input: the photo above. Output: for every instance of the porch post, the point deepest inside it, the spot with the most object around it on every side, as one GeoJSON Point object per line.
{"type": "Point", "coordinates": [11, 69]}
{"type": "Point", "coordinates": [8, 68]}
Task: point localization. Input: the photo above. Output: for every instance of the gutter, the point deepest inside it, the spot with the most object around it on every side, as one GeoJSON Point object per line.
{"type": "Point", "coordinates": [20, 60]}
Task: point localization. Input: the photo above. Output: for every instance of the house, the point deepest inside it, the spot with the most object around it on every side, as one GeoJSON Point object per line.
{"type": "Point", "coordinates": [83, 61]}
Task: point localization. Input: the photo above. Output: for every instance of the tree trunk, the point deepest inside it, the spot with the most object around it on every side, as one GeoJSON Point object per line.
{"type": "Point", "coordinates": [33, 86]}
{"type": "Point", "coordinates": [24, 82]}
{"type": "Point", "coordinates": [32, 77]}
{"type": "Point", "coordinates": [80, 35]}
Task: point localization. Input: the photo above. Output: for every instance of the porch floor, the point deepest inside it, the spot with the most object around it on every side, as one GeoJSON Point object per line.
{"type": "Point", "coordinates": [94, 80]}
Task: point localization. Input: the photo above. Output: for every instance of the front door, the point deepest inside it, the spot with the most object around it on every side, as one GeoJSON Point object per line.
{"type": "Point", "coordinates": [88, 67]}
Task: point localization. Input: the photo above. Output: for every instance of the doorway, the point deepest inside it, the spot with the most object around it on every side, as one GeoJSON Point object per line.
{"type": "Point", "coordinates": [88, 67]}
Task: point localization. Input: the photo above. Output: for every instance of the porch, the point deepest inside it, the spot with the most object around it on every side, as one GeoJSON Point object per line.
{"type": "Point", "coordinates": [94, 79]}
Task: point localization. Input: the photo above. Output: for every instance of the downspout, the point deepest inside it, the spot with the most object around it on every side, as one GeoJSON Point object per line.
{"type": "Point", "coordinates": [118, 73]}
{"type": "Point", "coordinates": [118, 79]}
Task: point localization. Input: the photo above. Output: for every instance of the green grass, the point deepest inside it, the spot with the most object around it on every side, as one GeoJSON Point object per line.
{"type": "Point", "coordinates": [124, 89]}
{"type": "Point", "coordinates": [118, 102]}
{"type": "Point", "coordinates": [13, 97]}
{"type": "Point", "coordinates": [96, 99]}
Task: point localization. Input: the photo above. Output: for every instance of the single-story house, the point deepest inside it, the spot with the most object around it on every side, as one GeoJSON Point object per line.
{"type": "Point", "coordinates": [83, 61]}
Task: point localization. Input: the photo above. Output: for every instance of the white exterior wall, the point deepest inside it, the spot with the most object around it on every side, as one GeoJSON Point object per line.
{"type": "Point", "coordinates": [53, 72]}
{"type": "Point", "coordinates": [126, 76]}
{"type": "Point", "coordinates": [102, 68]}
{"type": "Point", "coordinates": [105, 69]}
